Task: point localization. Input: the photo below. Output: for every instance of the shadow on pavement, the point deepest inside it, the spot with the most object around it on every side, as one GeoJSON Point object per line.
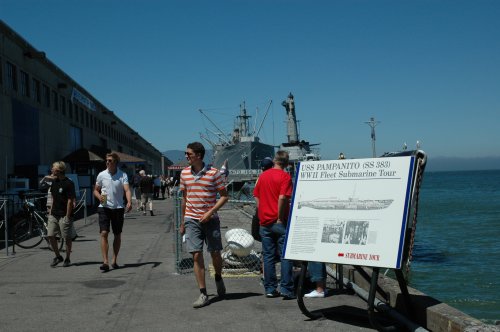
{"type": "Point", "coordinates": [87, 263]}
{"type": "Point", "coordinates": [234, 296]}
{"type": "Point", "coordinates": [155, 264]}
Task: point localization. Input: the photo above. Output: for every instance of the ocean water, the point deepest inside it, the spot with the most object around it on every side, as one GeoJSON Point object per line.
{"type": "Point", "coordinates": [457, 246]}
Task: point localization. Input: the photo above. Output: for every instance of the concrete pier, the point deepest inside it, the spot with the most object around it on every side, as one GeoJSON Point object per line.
{"type": "Point", "coordinates": [146, 293]}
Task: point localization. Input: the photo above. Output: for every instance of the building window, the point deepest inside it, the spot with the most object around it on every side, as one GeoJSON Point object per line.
{"type": "Point", "coordinates": [11, 76]}
{"type": "Point", "coordinates": [82, 120]}
{"type": "Point", "coordinates": [63, 105]}
{"type": "Point", "coordinates": [35, 88]}
{"type": "Point", "coordinates": [1, 71]}
{"type": "Point", "coordinates": [87, 119]}
{"type": "Point", "coordinates": [46, 95]}
{"type": "Point", "coordinates": [75, 138]}
{"type": "Point", "coordinates": [55, 101]}
{"type": "Point", "coordinates": [70, 109]}
{"type": "Point", "coordinates": [76, 113]}
{"type": "Point", "coordinates": [25, 84]}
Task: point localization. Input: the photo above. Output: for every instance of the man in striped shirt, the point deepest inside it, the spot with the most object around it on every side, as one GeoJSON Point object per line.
{"type": "Point", "coordinates": [200, 184]}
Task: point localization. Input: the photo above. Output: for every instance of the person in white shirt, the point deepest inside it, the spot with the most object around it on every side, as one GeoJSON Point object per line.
{"type": "Point", "coordinates": [110, 186]}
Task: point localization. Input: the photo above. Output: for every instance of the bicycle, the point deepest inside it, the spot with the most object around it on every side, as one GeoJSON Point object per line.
{"type": "Point", "coordinates": [31, 230]}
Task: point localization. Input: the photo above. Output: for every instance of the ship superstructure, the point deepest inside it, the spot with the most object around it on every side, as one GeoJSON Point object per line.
{"type": "Point", "coordinates": [298, 150]}
{"type": "Point", "coordinates": [242, 151]}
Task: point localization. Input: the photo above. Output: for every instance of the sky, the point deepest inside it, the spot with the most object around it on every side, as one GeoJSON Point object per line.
{"type": "Point", "coordinates": [427, 71]}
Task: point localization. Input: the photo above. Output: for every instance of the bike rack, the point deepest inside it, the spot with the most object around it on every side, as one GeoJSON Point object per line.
{"type": "Point", "coordinates": [373, 279]}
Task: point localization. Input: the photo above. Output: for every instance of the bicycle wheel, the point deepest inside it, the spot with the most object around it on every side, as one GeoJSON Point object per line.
{"type": "Point", "coordinates": [28, 233]}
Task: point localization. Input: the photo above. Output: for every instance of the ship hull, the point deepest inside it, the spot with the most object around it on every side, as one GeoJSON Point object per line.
{"type": "Point", "coordinates": [243, 160]}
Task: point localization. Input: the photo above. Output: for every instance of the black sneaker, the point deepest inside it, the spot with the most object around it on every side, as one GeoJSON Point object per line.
{"type": "Point", "coordinates": [67, 262]}
{"type": "Point", "coordinates": [56, 261]}
{"type": "Point", "coordinates": [152, 214]}
{"type": "Point", "coordinates": [274, 293]}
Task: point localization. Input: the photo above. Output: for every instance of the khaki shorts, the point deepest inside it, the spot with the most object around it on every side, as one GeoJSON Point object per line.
{"type": "Point", "coordinates": [59, 225]}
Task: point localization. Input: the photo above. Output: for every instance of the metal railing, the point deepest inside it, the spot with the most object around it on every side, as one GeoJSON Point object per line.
{"type": "Point", "coordinates": [11, 205]}
{"type": "Point", "coordinates": [4, 223]}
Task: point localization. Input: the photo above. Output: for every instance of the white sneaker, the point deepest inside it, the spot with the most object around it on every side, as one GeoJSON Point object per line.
{"type": "Point", "coordinates": [201, 301]}
{"type": "Point", "coordinates": [315, 294]}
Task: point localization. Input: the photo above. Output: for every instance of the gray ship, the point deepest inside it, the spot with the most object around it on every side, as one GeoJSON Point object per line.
{"type": "Point", "coordinates": [241, 152]}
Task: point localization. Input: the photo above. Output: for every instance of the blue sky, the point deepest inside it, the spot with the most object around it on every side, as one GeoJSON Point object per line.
{"type": "Point", "coordinates": [427, 70]}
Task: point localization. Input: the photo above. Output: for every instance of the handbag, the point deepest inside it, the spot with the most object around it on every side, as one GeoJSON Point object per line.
{"type": "Point", "coordinates": [256, 227]}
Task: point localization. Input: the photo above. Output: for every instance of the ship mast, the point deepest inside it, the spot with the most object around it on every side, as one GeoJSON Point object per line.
{"type": "Point", "coordinates": [221, 133]}
{"type": "Point", "coordinates": [243, 120]}
{"type": "Point", "coordinates": [292, 133]}
{"type": "Point", "coordinates": [265, 115]}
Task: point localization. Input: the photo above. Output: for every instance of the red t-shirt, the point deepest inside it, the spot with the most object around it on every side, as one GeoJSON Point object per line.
{"type": "Point", "coordinates": [270, 185]}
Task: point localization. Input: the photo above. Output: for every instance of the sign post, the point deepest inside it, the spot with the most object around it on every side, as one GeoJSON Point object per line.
{"type": "Point", "coordinates": [356, 212]}
{"type": "Point", "coordinates": [351, 211]}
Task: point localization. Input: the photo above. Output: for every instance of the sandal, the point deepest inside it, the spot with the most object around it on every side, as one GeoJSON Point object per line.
{"type": "Point", "coordinates": [115, 266]}
{"type": "Point", "coordinates": [104, 267]}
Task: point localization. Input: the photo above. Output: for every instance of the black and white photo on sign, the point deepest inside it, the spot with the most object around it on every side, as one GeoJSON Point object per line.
{"type": "Point", "coordinates": [333, 232]}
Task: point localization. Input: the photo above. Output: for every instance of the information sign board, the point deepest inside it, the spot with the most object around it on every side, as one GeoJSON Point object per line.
{"type": "Point", "coordinates": [350, 211]}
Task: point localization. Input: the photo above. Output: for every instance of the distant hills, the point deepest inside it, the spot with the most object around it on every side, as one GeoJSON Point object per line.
{"type": "Point", "coordinates": [434, 164]}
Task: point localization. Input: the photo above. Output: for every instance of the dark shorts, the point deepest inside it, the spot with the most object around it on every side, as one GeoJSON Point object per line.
{"type": "Point", "coordinates": [208, 232]}
{"type": "Point", "coordinates": [110, 216]}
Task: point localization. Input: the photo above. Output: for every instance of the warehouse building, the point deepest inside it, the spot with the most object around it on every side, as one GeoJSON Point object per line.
{"type": "Point", "coordinates": [46, 116]}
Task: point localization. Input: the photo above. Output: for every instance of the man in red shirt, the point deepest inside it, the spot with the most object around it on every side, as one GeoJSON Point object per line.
{"type": "Point", "coordinates": [200, 184]}
{"type": "Point", "coordinates": [272, 194]}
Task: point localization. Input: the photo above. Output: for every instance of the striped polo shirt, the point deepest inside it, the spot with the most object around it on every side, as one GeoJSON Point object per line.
{"type": "Point", "coordinates": [201, 190]}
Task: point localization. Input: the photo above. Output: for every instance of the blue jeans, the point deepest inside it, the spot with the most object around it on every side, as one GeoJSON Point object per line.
{"type": "Point", "coordinates": [273, 238]}
{"type": "Point", "coordinates": [317, 271]}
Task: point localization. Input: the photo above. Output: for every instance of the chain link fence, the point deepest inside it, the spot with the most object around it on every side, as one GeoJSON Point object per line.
{"type": "Point", "coordinates": [241, 254]}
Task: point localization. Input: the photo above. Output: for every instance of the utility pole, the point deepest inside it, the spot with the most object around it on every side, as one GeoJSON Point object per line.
{"type": "Point", "coordinates": [372, 123]}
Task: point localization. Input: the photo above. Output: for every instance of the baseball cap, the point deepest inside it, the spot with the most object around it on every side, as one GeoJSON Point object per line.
{"type": "Point", "coordinates": [266, 163]}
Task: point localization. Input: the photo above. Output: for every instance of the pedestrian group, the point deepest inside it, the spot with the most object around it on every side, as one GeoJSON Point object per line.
{"type": "Point", "coordinates": [203, 189]}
